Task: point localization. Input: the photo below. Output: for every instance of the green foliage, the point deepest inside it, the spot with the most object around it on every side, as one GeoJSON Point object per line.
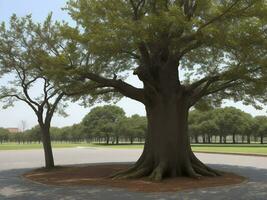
{"type": "Point", "coordinates": [223, 42]}
{"type": "Point", "coordinates": [22, 50]}
{"type": "Point", "coordinates": [101, 121]}
{"type": "Point", "coordinates": [261, 126]}
{"type": "Point", "coordinates": [132, 127]}
{"type": "Point", "coordinates": [34, 134]}
{"type": "Point", "coordinates": [221, 122]}
{"type": "Point", "coordinates": [3, 135]}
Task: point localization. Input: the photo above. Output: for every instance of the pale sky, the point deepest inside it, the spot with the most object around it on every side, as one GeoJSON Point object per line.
{"type": "Point", "coordinates": [39, 9]}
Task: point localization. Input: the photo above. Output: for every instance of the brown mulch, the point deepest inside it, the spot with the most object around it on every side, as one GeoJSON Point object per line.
{"type": "Point", "coordinates": [96, 175]}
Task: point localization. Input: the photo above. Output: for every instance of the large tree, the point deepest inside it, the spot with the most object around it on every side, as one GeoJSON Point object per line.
{"type": "Point", "coordinates": [183, 51]}
{"type": "Point", "coordinates": [23, 78]}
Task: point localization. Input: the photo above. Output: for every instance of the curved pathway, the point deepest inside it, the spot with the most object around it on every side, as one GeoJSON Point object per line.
{"type": "Point", "coordinates": [15, 163]}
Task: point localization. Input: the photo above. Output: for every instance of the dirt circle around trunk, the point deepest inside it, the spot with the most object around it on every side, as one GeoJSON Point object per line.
{"type": "Point", "coordinates": [96, 175]}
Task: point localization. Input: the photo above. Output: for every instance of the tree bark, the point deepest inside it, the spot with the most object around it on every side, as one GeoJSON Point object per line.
{"type": "Point", "coordinates": [225, 139]}
{"type": "Point", "coordinates": [117, 139]}
{"type": "Point", "coordinates": [209, 138]}
{"type": "Point", "coordinates": [49, 158]}
{"type": "Point", "coordinates": [167, 151]}
{"type": "Point", "coordinates": [233, 137]}
{"type": "Point", "coordinates": [131, 139]}
{"type": "Point", "coordinates": [248, 139]}
{"type": "Point", "coordinates": [107, 139]}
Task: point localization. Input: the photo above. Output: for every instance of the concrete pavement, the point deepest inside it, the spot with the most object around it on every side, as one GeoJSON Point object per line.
{"type": "Point", "coordinates": [15, 163]}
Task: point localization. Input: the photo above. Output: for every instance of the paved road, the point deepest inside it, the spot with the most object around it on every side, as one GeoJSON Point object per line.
{"type": "Point", "coordinates": [14, 163]}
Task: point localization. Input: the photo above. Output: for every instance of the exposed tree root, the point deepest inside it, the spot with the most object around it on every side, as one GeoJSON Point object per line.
{"type": "Point", "coordinates": [122, 173]}
{"type": "Point", "coordinates": [135, 174]}
{"type": "Point", "coordinates": [192, 173]}
{"type": "Point", "coordinates": [158, 173]}
{"type": "Point", "coordinates": [199, 165]}
{"type": "Point", "coordinates": [145, 168]}
{"type": "Point", "coordinates": [202, 171]}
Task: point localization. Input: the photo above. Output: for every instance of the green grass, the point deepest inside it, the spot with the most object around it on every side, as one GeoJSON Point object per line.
{"type": "Point", "coordinates": [16, 146]}
{"type": "Point", "coordinates": [239, 149]}
{"type": "Point", "coordinates": [216, 148]}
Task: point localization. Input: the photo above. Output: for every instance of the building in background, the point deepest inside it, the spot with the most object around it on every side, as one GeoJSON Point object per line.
{"type": "Point", "coordinates": [13, 130]}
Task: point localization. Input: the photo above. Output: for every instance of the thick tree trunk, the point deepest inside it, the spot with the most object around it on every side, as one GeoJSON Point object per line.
{"type": "Point", "coordinates": [49, 159]}
{"type": "Point", "coordinates": [167, 152]}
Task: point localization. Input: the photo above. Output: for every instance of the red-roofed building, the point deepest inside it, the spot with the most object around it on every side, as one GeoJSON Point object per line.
{"type": "Point", "coordinates": [13, 130]}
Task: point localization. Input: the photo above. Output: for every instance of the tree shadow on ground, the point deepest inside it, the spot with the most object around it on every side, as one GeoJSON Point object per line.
{"type": "Point", "coordinates": [13, 186]}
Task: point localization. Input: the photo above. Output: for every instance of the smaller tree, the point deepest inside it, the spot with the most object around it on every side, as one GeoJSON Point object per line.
{"type": "Point", "coordinates": [132, 127]}
{"type": "Point", "coordinates": [230, 121]}
{"type": "Point", "coordinates": [202, 124]}
{"type": "Point", "coordinates": [21, 51]}
{"type": "Point", "coordinates": [193, 125]}
{"type": "Point", "coordinates": [33, 135]}
{"type": "Point", "coordinates": [248, 125]}
{"type": "Point", "coordinates": [261, 127]}
{"type": "Point", "coordinates": [3, 135]}
{"type": "Point", "coordinates": [101, 121]}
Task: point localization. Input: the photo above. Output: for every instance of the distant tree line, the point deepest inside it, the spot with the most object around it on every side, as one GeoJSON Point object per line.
{"type": "Point", "coordinates": [109, 124]}
{"type": "Point", "coordinates": [226, 125]}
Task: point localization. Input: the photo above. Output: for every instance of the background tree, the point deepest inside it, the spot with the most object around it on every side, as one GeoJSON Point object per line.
{"type": "Point", "coordinates": [101, 121]}
{"type": "Point", "coordinates": [3, 135]}
{"type": "Point", "coordinates": [33, 135]}
{"type": "Point", "coordinates": [193, 125]}
{"type": "Point", "coordinates": [232, 121]}
{"type": "Point", "coordinates": [203, 124]}
{"type": "Point", "coordinates": [132, 127]}
{"type": "Point", "coordinates": [220, 45]}
{"type": "Point", "coordinates": [249, 125]}
{"type": "Point", "coordinates": [221, 122]}
{"type": "Point", "coordinates": [261, 127]}
{"type": "Point", "coordinates": [20, 49]}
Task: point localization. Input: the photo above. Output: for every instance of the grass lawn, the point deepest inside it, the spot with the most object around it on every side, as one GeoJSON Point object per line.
{"type": "Point", "coordinates": [16, 146]}
{"type": "Point", "coordinates": [230, 148]}
{"type": "Point", "coordinates": [217, 148]}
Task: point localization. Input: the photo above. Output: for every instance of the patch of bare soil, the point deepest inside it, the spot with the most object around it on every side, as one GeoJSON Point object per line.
{"type": "Point", "coordinates": [96, 175]}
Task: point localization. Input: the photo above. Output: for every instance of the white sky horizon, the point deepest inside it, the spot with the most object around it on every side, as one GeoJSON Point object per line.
{"type": "Point", "coordinates": [12, 117]}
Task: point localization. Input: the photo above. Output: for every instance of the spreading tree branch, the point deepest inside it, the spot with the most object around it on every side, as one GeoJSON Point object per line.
{"type": "Point", "coordinates": [121, 86]}
{"type": "Point", "coordinates": [21, 99]}
{"type": "Point", "coordinates": [219, 16]}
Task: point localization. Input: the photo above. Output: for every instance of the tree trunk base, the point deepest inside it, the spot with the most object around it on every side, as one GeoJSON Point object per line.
{"type": "Point", "coordinates": [196, 169]}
